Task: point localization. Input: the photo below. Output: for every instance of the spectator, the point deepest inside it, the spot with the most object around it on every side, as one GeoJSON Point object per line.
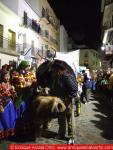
{"type": "Point", "coordinates": [87, 88]}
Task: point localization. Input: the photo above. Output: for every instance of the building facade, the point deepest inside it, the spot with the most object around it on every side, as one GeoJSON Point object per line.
{"type": "Point", "coordinates": [90, 58]}
{"type": "Point", "coordinates": [8, 35]}
{"type": "Point", "coordinates": [49, 23]}
{"type": "Point", "coordinates": [107, 26]}
{"type": "Point", "coordinates": [25, 28]}
{"type": "Point", "coordinates": [63, 39]}
{"type": "Point", "coordinates": [107, 33]}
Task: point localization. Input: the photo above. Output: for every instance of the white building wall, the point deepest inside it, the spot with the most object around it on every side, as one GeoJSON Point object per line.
{"type": "Point", "coordinates": [36, 5]}
{"type": "Point", "coordinates": [28, 33]}
{"type": "Point", "coordinates": [9, 20]}
{"type": "Point", "coordinates": [6, 58]}
{"type": "Point", "coordinates": [14, 21]}
{"type": "Point", "coordinates": [11, 4]}
{"type": "Point", "coordinates": [23, 6]}
{"type": "Point", "coordinates": [63, 39]}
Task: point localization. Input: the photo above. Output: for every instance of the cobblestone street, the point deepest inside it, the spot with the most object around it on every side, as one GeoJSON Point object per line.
{"type": "Point", "coordinates": [93, 126]}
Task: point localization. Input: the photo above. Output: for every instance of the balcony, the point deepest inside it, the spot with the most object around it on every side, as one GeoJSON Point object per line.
{"type": "Point", "coordinates": [8, 46]}
{"type": "Point", "coordinates": [32, 24]}
{"type": "Point", "coordinates": [54, 41]}
{"type": "Point", "coordinates": [45, 16]}
{"type": "Point", "coordinates": [45, 34]}
{"type": "Point", "coordinates": [53, 24]}
{"type": "Point", "coordinates": [48, 19]}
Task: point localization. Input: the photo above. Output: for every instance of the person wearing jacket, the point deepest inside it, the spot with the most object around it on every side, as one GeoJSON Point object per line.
{"type": "Point", "coordinates": [64, 85]}
{"type": "Point", "coordinates": [87, 88]}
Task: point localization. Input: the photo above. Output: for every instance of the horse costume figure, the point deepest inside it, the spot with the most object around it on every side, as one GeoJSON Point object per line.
{"type": "Point", "coordinates": [61, 80]}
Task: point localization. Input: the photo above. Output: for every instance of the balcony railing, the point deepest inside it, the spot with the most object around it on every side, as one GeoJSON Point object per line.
{"type": "Point", "coordinates": [45, 14]}
{"type": "Point", "coordinates": [31, 23]}
{"type": "Point", "coordinates": [7, 43]}
{"type": "Point", "coordinates": [49, 19]}
{"type": "Point", "coordinates": [54, 41]}
{"type": "Point", "coordinates": [45, 34]}
{"type": "Point", "coordinates": [11, 46]}
{"type": "Point", "coordinates": [21, 49]}
{"type": "Point", "coordinates": [26, 48]}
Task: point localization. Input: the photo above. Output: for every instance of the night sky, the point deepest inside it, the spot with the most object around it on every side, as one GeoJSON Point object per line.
{"type": "Point", "coordinates": [81, 18]}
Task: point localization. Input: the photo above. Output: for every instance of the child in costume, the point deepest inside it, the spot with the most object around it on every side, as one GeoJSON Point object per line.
{"type": "Point", "coordinates": [7, 91]}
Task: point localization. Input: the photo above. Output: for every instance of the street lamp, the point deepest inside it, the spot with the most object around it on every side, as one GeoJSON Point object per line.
{"type": "Point", "coordinates": [103, 48]}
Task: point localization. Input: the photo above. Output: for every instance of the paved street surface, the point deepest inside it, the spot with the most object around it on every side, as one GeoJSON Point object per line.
{"type": "Point", "coordinates": [93, 126]}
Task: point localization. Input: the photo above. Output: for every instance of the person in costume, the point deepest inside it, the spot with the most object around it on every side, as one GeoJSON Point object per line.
{"type": "Point", "coordinates": [7, 109]}
{"type": "Point", "coordinates": [7, 91]}
{"type": "Point", "coordinates": [23, 80]}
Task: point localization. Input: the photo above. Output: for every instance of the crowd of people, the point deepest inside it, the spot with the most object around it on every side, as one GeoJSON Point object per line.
{"type": "Point", "coordinates": [100, 80]}
{"type": "Point", "coordinates": [17, 85]}
{"type": "Point", "coordinates": [105, 84]}
{"type": "Point", "coordinates": [14, 90]}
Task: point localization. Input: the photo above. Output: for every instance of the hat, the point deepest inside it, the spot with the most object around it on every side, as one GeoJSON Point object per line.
{"type": "Point", "coordinates": [24, 64]}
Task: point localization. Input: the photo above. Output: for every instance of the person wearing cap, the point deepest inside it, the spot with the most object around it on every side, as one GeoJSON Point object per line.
{"type": "Point", "coordinates": [23, 67]}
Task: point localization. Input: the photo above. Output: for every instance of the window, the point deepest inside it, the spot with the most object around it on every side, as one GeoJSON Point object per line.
{"type": "Point", "coordinates": [25, 18]}
{"type": "Point", "coordinates": [112, 20]}
{"type": "Point", "coordinates": [94, 54]}
{"type": "Point", "coordinates": [32, 47]}
{"type": "Point", "coordinates": [46, 33]}
{"type": "Point", "coordinates": [42, 50]}
{"type": "Point", "coordinates": [93, 62]}
{"type": "Point", "coordinates": [35, 26]}
{"type": "Point", "coordinates": [47, 13]}
{"type": "Point", "coordinates": [110, 36]}
{"type": "Point", "coordinates": [11, 40]}
{"type": "Point", "coordinates": [0, 63]}
{"type": "Point", "coordinates": [86, 54]}
{"type": "Point", "coordinates": [43, 12]}
{"type": "Point", "coordinates": [46, 47]}
{"type": "Point", "coordinates": [1, 35]}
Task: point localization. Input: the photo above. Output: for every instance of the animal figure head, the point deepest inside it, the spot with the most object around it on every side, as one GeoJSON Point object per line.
{"type": "Point", "coordinates": [43, 91]}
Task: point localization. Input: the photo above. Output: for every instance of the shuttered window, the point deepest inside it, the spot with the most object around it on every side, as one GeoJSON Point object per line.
{"type": "Point", "coordinates": [25, 18]}
{"type": "Point", "coordinates": [1, 35]}
{"type": "Point", "coordinates": [33, 49]}
{"type": "Point", "coordinates": [11, 40]}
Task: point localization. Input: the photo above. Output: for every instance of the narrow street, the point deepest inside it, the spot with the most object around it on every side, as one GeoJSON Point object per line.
{"type": "Point", "coordinates": [93, 126]}
{"type": "Point", "coordinates": [56, 48]}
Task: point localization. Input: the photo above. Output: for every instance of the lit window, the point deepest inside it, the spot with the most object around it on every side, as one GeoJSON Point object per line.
{"type": "Point", "coordinates": [1, 35]}
{"type": "Point", "coordinates": [11, 39]}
